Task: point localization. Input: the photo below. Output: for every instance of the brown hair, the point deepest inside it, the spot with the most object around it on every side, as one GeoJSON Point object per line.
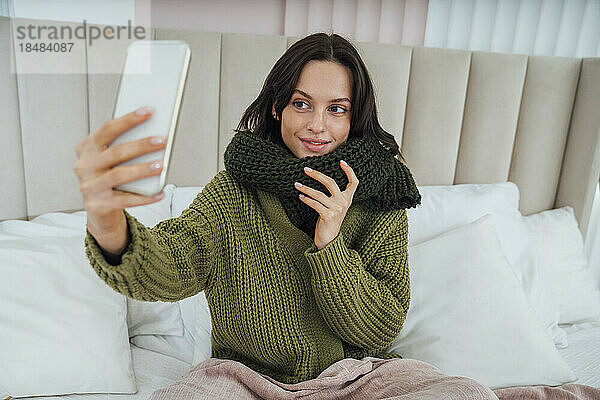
{"type": "Point", "coordinates": [283, 77]}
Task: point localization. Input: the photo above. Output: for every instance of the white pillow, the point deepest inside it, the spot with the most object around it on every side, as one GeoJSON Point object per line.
{"type": "Point", "coordinates": [143, 318]}
{"type": "Point", "coordinates": [179, 347]}
{"type": "Point", "coordinates": [63, 329]}
{"type": "Point", "coordinates": [447, 207]}
{"type": "Point", "coordinates": [194, 346]}
{"type": "Point", "coordinates": [469, 316]}
{"type": "Point", "coordinates": [515, 241]}
{"type": "Point", "coordinates": [182, 198]}
{"type": "Point", "coordinates": [202, 330]}
{"type": "Point", "coordinates": [153, 318]}
{"type": "Point", "coordinates": [152, 214]}
{"type": "Point", "coordinates": [188, 315]}
{"type": "Point", "coordinates": [559, 248]}
{"type": "Point", "coordinates": [4, 393]}
{"type": "Point", "coordinates": [56, 224]}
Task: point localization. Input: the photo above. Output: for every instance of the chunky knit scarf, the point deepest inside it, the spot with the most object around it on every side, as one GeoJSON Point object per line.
{"type": "Point", "coordinates": [385, 183]}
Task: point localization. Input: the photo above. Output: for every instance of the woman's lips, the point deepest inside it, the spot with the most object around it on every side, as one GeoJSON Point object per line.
{"type": "Point", "coordinates": [314, 147]}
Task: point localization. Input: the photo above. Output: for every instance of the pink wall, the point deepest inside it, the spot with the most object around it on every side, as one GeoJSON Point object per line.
{"type": "Point", "coordinates": [387, 21]}
{"type": "Point", "coordinates": [242, 16]}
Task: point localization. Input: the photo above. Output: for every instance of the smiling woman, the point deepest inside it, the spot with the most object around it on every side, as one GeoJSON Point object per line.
{"type": "Point", "coordinates": [313, 123]}
{"type": "Point", "coordinates": [300, 244]}
{"type": "Point", "coordinates": [311, 94]}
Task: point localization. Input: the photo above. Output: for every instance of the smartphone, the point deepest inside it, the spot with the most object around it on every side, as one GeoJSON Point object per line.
{"type": "Point", "coordinates": [154, 74]}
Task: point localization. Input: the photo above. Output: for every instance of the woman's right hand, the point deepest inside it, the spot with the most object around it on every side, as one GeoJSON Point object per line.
{"type": "Point", "coordinates": [99, 172]}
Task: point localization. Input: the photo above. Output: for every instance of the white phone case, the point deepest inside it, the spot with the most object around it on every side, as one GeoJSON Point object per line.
{"type": "Point", "coordinates": [154, 75]}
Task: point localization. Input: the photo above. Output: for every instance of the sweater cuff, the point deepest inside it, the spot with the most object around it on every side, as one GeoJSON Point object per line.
{"type": "Point", "coordinates": [327, 261]}
{"type": "Point", "coordinates": [128, 258]}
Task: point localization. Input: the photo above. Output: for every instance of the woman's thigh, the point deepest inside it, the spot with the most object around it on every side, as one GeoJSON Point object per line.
{"type": "Point", "coordinates": [406, 379]}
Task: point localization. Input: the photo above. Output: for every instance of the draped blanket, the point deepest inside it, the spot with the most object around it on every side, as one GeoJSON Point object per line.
{"type": "Point", "coordinates": [369, 378]}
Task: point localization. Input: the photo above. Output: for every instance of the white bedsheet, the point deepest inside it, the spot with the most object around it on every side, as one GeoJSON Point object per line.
{"type": "Point", "coordinates": [583, 355]}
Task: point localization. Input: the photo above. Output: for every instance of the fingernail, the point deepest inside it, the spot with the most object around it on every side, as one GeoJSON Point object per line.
{"type": "Point", "coordinates": [298, 184]}
{"type": "Point", "coordinates": [308, 169]}
{"type": "Point", "coordinates": [155, 165]}
{"type": "Point", "coordinates": [157, 140]}
{"type": "Point", "coordinates": [143, 111]}
{"type": "Point", "coordinates": [159, 196]}
{"type": "Point", "coordinates": [344, 163]}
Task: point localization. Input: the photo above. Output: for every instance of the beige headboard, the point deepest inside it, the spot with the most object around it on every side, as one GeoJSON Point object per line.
{"type": "Point", "coordinates": [459, 116]}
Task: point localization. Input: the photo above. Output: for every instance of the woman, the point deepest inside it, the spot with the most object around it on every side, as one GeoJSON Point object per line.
{"type": "Point", "coordinates": [297, 276]}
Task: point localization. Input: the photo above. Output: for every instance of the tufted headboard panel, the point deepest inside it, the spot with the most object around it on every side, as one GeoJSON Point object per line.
{"type": "Point", "coordinates": [459, 117]}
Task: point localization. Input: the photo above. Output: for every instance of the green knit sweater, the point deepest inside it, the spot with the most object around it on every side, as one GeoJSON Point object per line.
{"type": "Point", "coordinates": [278, 304]}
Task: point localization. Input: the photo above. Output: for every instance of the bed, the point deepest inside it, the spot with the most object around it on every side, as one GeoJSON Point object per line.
{"type": "Point", "coordinates": [504, 148]}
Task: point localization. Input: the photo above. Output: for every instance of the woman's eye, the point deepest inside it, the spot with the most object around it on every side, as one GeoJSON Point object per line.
{"type": "Point", "coordinates": [298, 102]}
{"type": "Point", "coordinates": [334, 109]}
{"type": "Point", "coordinates": [341, 108]}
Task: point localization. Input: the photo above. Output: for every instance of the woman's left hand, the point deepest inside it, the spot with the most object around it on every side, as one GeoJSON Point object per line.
{"type": "Point", "coordinates": [332, 209]}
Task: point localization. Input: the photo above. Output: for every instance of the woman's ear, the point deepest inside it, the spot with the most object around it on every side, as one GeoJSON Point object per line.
{"type": "Point", "coordinates": [273, 113]}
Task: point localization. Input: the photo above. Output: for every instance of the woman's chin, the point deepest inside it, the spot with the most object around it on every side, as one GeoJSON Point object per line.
{"type": "Point", "coordinates": [311, 155]}
{"type": "Point", "coordinates": [303, 153]}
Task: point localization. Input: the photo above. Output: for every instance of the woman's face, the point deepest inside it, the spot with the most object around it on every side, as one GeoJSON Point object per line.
{"type": "Point", "coordinates": [319, 110]}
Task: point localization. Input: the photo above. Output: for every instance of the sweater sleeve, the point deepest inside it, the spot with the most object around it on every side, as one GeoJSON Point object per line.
{"type": "Point", "coordinates": [364, 304]}
{"type": "Point", "coordinates": [168, 262]}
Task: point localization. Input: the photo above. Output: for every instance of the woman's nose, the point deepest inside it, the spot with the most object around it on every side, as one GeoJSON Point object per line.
{"type": "Point", "coordinates": [317, 123]}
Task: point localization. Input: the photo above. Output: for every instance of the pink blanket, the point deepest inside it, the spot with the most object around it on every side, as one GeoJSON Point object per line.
{"type": "Point", "coordinates": [369, 378]}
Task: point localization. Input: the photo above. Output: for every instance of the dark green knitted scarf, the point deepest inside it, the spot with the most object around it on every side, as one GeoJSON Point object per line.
{"type": "Point", "coordinates": [385, 183]}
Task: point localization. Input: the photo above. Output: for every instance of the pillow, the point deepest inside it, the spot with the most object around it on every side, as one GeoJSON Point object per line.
{"type": "Point", "coordinates": [447, 207]}
{"type": "Point", "coordinates": [202, 330]}
{"type": "Point", "coordinates": [152, 214]}
{"type": "Point", "coordinates": [63, 329]}
{"type": "Point", "coordinates": [188, 307]}
{"type": "Point", "coordinates": [153, 318]}
{"type": "Point", "coordinates": [143, 318]}
{"type": "Point", "coordinates": [559, 248]}
{"type": "Point", "coordinates": [179, 347]}
{"type": "Point", "coordinates": [4, 393]}
{"type": "Point", "coordinates": [469, 316]}
{"type": "Point", "coordinates": [182, 198]}
{"type": "Point", "coordinates": [515, 242]}
{"type": "Point", "coordinates": [56, 224]}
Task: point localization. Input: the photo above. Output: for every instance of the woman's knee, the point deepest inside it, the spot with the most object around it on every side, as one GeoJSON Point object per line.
{"type": "Point", "coordinates": [467, 388]}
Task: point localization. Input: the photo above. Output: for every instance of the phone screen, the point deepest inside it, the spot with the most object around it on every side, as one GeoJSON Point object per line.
{"type": "Point", "coordinates": [153, 75]}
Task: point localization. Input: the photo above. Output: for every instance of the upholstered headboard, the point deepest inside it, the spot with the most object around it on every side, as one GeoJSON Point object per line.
{"type": "Point", "coordinates": [459, 117]}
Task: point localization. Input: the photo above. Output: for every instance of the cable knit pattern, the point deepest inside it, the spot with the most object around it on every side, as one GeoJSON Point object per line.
{"type": "Point", "coordinates": [278, 304]}
{"type": "Point", "coordinates": [385, 182]}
